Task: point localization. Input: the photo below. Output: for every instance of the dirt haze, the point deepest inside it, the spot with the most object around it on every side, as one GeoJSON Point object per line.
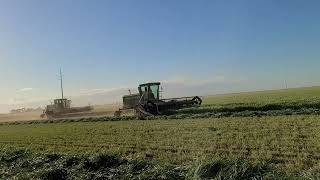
{"type": "Point", "coordinates": [107, 109]}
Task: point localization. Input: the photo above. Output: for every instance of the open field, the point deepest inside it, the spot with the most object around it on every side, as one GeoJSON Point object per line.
{"type": "Point", "coordinates": [291, 143]}
{"type": "Point", "coordinates": [284, 96]}
{"type": "Point", "coordinates": [10, 117]}
{"type": "Point", "coordinates": [280, 129]}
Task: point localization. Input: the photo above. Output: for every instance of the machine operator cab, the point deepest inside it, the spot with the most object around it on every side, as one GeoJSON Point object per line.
{"type": "Point", "coordinates": [149, 92]}
{"type": "Point", "coordinates": [59, 105]}
{"type": "Point", "coordinates": [62, 103]}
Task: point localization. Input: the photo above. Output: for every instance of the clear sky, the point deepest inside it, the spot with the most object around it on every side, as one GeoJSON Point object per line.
{"type": "Point", "coordinates": [103, 45]}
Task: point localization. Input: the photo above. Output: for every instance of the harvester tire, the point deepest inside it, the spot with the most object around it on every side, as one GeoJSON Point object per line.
{"type": "Point", "coordinates": [117, 113]}
{"type": "Point", "coordinates": [141, 112]}
{"type": "Point", "coordinates": [42, 116]}
{"type": "Point", "coordinates": [197, 100]}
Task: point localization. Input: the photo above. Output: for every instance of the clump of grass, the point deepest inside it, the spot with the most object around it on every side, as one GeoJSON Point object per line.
{"type": "Point", "coordinates": [97, 166]}
{"type": "Point", "coordinates": [11, 155]}
{"type": "Point", "coordinates": [70, 160]}
{"type": "Point", "coordinates": [139, 166]}
{"type": "Point", "coordinates": [238, 169]}
{"type": "Point", "coordinates": [21, 165]}
{"type": "Point", "coordinates": [100, 166]}
{"type": "Point", "coordinates": [53, 173]}
{"type": "Point", "coordinates": [102, 161]}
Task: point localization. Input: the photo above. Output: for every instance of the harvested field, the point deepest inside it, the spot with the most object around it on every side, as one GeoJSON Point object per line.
{"type": "Point", "coordinates": [289, 142]}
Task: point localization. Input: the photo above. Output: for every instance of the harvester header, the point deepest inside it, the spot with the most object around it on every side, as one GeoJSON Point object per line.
{"type": "Point", "coordinates": [148, 101]}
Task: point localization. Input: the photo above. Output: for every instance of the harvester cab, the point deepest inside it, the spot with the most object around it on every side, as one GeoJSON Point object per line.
{"type": "Point", "coordinates": [149, 92]}
{"type": "Point", "coordinates": [62, 104]}
{"type": "Point", "coordinates": [58, 106]}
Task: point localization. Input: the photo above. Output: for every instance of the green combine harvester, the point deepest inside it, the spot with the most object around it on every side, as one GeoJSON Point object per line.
{"type": "Point", "coordinates": [148, 102]}
{"type": "Point", "coordinates": [62, 107]}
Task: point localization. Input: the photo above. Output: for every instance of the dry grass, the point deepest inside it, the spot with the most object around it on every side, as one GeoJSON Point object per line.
{"type": "Point", "coordinates": [107, 107]}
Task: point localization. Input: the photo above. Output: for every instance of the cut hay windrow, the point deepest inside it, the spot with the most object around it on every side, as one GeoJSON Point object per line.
{"type": "Point", "coordinates": [24, 164]}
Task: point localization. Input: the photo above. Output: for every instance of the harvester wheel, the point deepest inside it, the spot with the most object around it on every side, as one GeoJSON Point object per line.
{"type": "Point", "coordinates": [150, 107]}
{"type": "Point", "coordinates": [42, 116]}
{"type": "Point", "coordinates": [141, 112]}
{"type": "Point", "coordinates": [117, 113]}
{"type": "Point", "coordinates": [153, 108]}
{"type": "Point", "coordinates": [197, 100]}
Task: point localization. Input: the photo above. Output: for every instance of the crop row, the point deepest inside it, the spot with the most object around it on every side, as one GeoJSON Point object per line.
{"type": "Point", "coordinates": [285, 96]}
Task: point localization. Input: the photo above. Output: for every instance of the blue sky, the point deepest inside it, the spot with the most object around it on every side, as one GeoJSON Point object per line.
{"type": "Point", "coordinates": [101, 45]}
